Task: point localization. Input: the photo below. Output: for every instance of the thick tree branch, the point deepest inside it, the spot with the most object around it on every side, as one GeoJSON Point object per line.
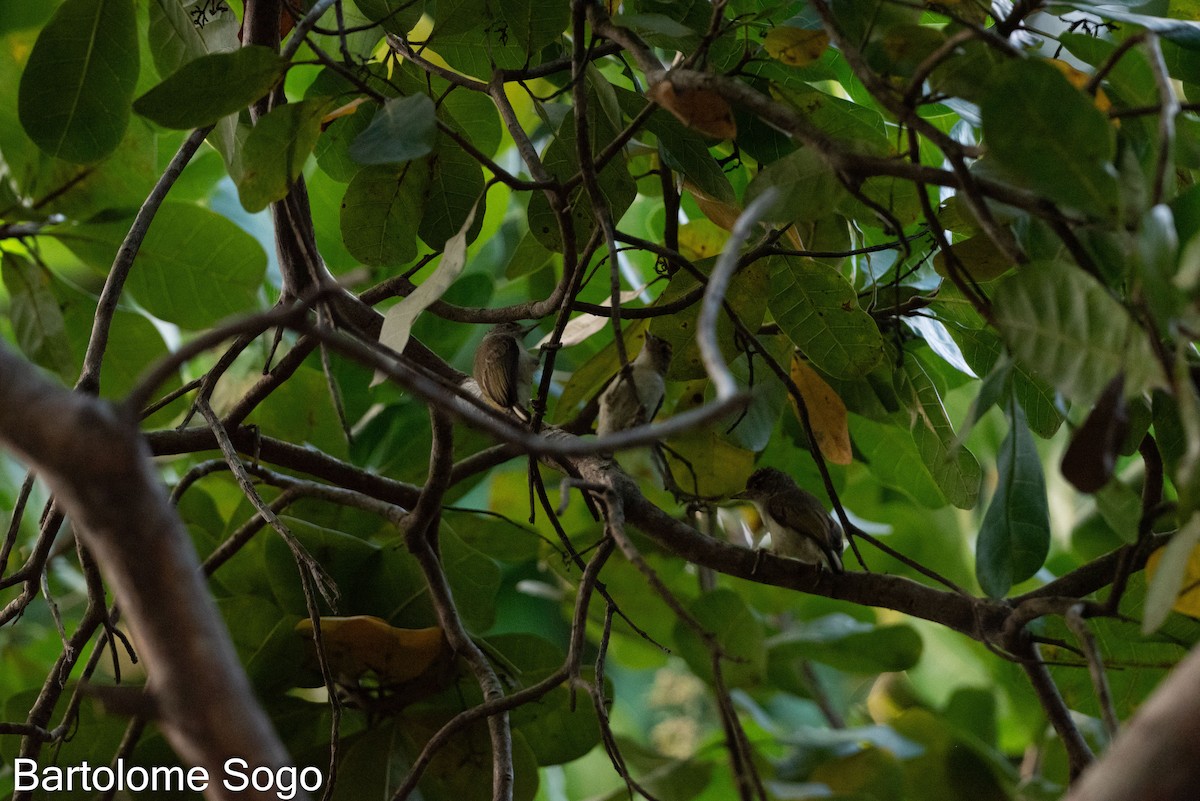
{"type": "Point", "coordinates": [99, 469]}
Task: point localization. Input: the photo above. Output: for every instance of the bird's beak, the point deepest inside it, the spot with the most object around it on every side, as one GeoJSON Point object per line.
{"type": "Point", "coordinates": [740, 496]}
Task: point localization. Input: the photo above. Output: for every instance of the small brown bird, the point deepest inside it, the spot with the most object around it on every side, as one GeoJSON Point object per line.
{"type": "Point", "coordinates": [635, 394]}
{"type": "Point", "coordinates": [800, 528]}
{"type": "Point", "coordinates": [504, 368]}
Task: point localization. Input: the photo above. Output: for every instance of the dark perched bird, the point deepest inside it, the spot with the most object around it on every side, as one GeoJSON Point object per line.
{"type": "Point", "coordinates": [635, 394]}
{"type": "Point", "coordinates": [504, 368]}
{"type": "Point", "coordinates": [800, 528]}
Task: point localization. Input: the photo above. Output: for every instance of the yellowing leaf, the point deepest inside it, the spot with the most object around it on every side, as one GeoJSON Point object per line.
{"type": "Point", "coordinates": [361, 644]}
{"type": "Point", "coordinates": [700, 239]}
{"type": "Point", "coordinates": [723, 214]}
{"type": "Point", "coordinates": [1188, 601]}
{"type": "Point", "coordinates": [1080, 80]}
{"type": "Point", "coordinates": [826, 412]}
{"type": "Point", "coordinates": [700, 109]}
{"type": "Point", "coordinates": [795, 46]}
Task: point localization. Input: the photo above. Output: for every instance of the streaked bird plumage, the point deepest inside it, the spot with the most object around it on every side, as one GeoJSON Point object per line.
{"type": "Point", "coordinates": [636, 393]}
{"type": "Point", "coordinates": [799, 525]}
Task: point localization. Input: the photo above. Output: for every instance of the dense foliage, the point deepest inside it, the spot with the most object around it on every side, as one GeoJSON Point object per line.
{"type": "Point", "coordinates": [937, 262]}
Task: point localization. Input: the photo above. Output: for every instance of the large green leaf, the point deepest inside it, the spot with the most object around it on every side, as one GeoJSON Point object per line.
{"type": "Point", "coordinates": [381, 211]}
{"type": "Point", "coordinates": [1050, 135]}
{"type": "Point", "coordinates": [735, 628]}
{"type": "Point", "coordinates": [194, 267]}
{"type": "Point", "coordinates": [556, 727]}
{"type": "Point", "coordinates": [818, 310]}
{"type": "Point", "coordinates": [210, 87]}
{"type": "Point", "coordinates": [894, 460]}
{"type": "Point", "coordinates": [1015, 536]}
{"type": "Point", "coordinates": [1067, 329]}
{"type": "Point", "coordinates": [79, 80]}
{"type": "Point", "coordinates": [456, 184]}
{"type": "Point", "coordinates": [807, 188]}
{"type": "Point", "coordinates": [176, 39]}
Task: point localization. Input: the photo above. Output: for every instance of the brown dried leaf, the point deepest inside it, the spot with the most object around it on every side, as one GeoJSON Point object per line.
{"type": "Point", "coordinates": [362, 643]}
{"type": "Point", "coordinates": [700, 109]}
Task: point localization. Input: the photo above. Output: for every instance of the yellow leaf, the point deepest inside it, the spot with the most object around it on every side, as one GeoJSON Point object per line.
{"type": "Point", "coordinates": [701, 109]}
{"type": "Point", "coordinates": [1080, 80]}
{"type": "Point", "coordinates": [826, 412]}
{"type": "Point", "coordinates": [721, 213]}
{"type": "Point", "coordinates": [795, 46]}
{"type": "Point", "coordinates": [700, 239]}
{"type": "Point", "coordinates": [361, 644]}
{"type": "Point", "coordinates": [1188, 602]}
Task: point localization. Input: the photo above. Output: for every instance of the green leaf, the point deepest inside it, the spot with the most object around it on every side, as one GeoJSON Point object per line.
{"type": "Point", "coordinates": [175, 39]}
{"type": "Point", "coordinates": [616, 184]}
{"type": "Point", "coordinates": [455, 189]}
{"type": "Point", "coordinates": [210, 87]}
{"type": "Point", "coordinates": [1048, 134]}
{"type": "Point", "coordinates": [402, 130]}
{"type": "Point", "coordinates": [847, 644]}
{"type": "Point", "coordinates": [894, 460]}
{"type": "Point", "coordinates": [1015, 536]}
{"type": "Point", "coordinates": [807, 188]}
{"type": "Point", "coordinates": [276, 150]}
{"type": "Point", "coordinates": [953, 467]}
{"type": "Point", "coordinates": [194, 267]}
{"type": "Point", "coordinates": [557, 728]}
{"type": "Point", "coordinates": [80, 78]}
{"type": "Point", "coordinates": [380, 213]}
{"type": "Point", "coordinates": [818, 310]}
{"type": "Point", "coordinates": [858, 127]}
{"type": "Point", "coordinates": [740, 634]}
{"type": "Point", "coordinates": [395, 16]}
{"type": "Point", "coordinates": [333, 147]}
{"type": "Point", "coordinates": [36, 316]}
{"type": "Point", "coordinates": [1067, 329]}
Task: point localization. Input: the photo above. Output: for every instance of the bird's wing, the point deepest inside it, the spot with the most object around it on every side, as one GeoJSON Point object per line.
{"type": "Point", "coordinates": [802, 512]}
{"type": "Point", "coordinates": [500, 364]}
